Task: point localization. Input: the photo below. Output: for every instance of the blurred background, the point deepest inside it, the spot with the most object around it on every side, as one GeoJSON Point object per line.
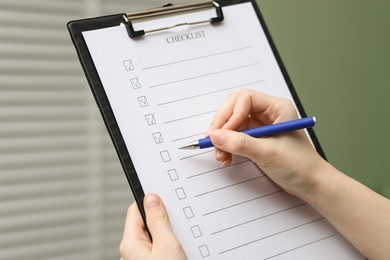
{"type": "Point", "coordinates": [63, 194]}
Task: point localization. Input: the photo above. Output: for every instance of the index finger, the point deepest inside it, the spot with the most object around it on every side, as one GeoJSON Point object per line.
{"type": "Point", "coordinates": [251, 102]}
{"type": "Point", "coordinates": [223, 114]}
{"type": "Point", "coordinates": [238, 107]}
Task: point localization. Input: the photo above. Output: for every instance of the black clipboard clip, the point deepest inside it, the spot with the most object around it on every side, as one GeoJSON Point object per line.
{"type": "Point", "coordinates": [169, 9]}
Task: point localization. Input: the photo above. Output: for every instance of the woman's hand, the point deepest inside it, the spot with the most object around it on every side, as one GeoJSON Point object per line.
{"type": "Point", "coordinates": [289, 159]}
{"type": "Point", "coordinates": [136, 244]}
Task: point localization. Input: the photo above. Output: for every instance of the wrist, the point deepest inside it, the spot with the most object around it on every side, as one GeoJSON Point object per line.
{"type": "Point", "coordinates": [323, 184]}
{"type": "Point", "coordinates": [312, 177]}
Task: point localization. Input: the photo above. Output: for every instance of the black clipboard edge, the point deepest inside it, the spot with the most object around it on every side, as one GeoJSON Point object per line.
{"type": "Point", "coordinates": [282, 68]}
{"type": "Point", "coordinates": [75, 29]}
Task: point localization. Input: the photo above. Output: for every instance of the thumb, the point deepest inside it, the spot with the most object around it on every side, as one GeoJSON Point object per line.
{"type": "Point", "coordinates": [235, 143]}
{"type": "Point", "coordinates": [157, 219]}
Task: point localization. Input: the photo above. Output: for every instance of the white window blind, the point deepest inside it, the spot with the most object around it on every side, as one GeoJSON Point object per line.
{"type": "Point", "coordinates": [63, 194]}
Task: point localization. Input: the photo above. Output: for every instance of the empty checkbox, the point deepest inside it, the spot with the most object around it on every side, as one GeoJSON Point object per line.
{"type": "Point", "coordinates": [204, 251]}
{"type": "Point", "coordinates": [188, 212]}
{"type": "Point", "coordinates": [165, 156]}
{"type": "Point", "coordinates": [180, 193]}
{"type": "Point", "coordinates": [196, 231]}
{"type": "Point", "coordinates": [173, 175]}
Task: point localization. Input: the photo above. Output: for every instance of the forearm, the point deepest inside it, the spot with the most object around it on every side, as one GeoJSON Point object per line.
{"type": "Point", "coordinates": [360, 214]}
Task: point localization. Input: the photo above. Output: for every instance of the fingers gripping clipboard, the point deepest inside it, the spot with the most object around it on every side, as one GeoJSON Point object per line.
{"type": "Point", "coordinates": [158, 76]}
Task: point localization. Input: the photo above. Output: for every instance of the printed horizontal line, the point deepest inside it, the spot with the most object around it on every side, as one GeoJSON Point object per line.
{"type": "Point", "coordinates": [210, 93]}
{"type": "Point", "coordinates": [194, 155]}
{"type": "Point", "coordinates": [186, 137]}
{"type": "Point", "coordinates": [313, 242]}
{"type": "Point", "coordinates": [262, 238]}
{"type": "Point", "coordinates": [229, 186]}
{"type": "Point", "coordinates": [255, 219]}
{"type": "Point", "coordinates": [196, 58]}
{"type": "Point", "coordinates": [204, 75]}
{"type": "Point", "coordinates": [187, 117]}
{"type": "Point", "coordinates": [240, 203]}
{"type": "Point", "coordinates": [219, 168]}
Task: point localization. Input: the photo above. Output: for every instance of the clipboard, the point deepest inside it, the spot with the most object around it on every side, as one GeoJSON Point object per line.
{"type": "Point", "coordinates": [158, 77]}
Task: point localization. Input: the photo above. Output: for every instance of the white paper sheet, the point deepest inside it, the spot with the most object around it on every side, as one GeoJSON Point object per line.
{"type": "Point", "coordinates": [164, 90]}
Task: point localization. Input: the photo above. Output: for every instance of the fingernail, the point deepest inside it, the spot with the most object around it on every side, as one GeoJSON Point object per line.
{"type": "Point", "coordinates": [225, 163]}
{"type": "Point", "coordinates": [152, 201]}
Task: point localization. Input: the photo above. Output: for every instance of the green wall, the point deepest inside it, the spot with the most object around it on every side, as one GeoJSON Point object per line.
{"type": "Point", "coordinates": [338, 56]}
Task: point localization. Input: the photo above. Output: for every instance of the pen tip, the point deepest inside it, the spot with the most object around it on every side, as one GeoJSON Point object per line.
{"type": "Point", "coordinates": [193, 145]}
{"type": "Point", "coordinates": [185, 147]}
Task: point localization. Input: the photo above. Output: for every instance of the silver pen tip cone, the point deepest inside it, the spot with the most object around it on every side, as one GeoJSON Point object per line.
{"type": "Point", "coordinates": [192, 146]}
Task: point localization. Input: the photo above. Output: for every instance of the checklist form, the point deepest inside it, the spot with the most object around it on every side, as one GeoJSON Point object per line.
{"type": "Point", "coordinates": [164, 89]}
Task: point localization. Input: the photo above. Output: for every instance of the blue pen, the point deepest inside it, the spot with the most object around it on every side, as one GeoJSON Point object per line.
{"type": "Point", "coordinates": [261, 131]}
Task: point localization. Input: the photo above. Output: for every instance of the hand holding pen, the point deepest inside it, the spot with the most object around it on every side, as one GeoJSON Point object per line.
{"type": "Point", "coordinates": [287, 158]}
